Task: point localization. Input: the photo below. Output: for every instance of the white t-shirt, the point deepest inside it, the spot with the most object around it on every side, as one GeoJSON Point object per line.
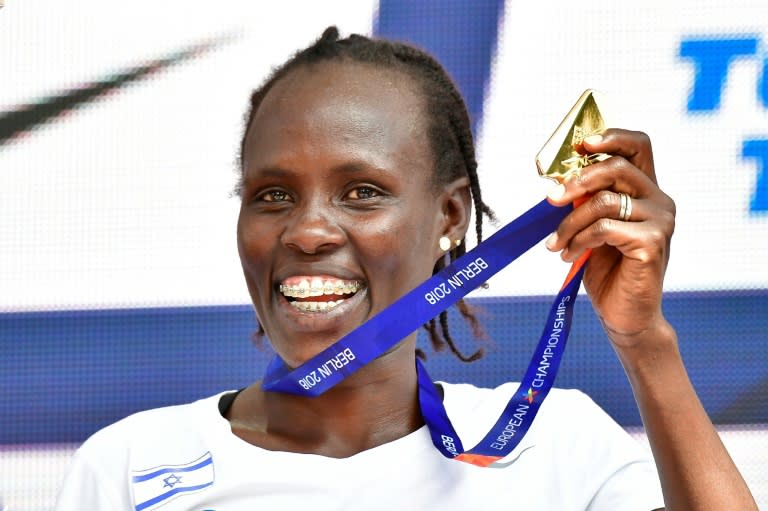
{"type": "Point", "coordinates": [187, 458]}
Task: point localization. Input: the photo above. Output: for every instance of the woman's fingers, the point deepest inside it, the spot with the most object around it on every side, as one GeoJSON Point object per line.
{"type": "Point", "coordinates": [643, 242]}
{"type": "Point", "coordinates": [634, 146]}
{"type": "Point", "coordinates": [616, 173]}
{"type": "Point", "coordinates": [591, 224]}
{"type": "Point", "coordinates": [608, 189]}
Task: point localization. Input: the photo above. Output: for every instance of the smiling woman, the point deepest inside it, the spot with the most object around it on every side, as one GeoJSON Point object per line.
{"type": "Point", "coordinates": [357, 163]}
{"type": "Point", "coordinates": [412, 83]}
{"type": "Point", "coordinates": [337, 187]}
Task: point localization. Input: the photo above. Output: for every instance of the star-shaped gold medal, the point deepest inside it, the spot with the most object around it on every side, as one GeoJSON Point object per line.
{"type": "Point", "coordinates": [563, 153]}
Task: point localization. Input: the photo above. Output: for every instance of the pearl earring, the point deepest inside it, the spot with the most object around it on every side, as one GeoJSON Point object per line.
{"type": "Point", "coordinates": [445, 243]}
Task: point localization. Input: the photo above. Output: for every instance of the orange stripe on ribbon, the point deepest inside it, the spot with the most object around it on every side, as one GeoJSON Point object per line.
{"type": "Point", "coordinates": [477, 459]}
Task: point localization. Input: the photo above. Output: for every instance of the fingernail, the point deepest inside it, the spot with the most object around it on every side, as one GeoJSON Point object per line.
{"type": "Point", "coordinates": [551, 241]}
{"type": "Point", "coordinates": [593, 139]}
{"type": "Point", "coordinates": [557, 192]}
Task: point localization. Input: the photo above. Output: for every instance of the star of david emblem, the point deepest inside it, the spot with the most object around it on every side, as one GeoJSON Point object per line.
{"type": "Point", "coordinates": [171, 481]}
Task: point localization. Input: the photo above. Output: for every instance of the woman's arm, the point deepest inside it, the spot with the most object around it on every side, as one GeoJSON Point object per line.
{"type": "Point", "coordinates": [695, 469]}
{"type": "Point", "coordinates": [624, 280]}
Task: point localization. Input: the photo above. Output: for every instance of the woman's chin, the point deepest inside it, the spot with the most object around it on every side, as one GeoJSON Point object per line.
{"type": "Point", "coordinates": [306, 333]}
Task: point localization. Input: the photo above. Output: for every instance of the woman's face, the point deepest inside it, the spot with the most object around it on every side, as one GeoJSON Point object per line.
{"type": "Point", "coordinates": [339, 213]}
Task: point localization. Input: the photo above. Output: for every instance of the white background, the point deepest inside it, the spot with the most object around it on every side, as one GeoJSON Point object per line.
{"type": "Point", "coordinates": [126, 202]}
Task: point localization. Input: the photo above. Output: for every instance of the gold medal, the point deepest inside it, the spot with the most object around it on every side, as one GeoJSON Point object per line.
{"type": "Point", "coordinates": [563, 154]}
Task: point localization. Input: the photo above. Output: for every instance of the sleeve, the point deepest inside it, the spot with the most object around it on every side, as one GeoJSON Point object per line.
{"type": "Point", "coordinates": [626, 481]}
{"type": "Point", "coordinates": [85, 487]}
{"type": "Point", "coordinates": [617, 472]}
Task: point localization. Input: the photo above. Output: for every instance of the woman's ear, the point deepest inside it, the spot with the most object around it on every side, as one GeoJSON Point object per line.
{"type": "Point", "coordinates": [455, 206]}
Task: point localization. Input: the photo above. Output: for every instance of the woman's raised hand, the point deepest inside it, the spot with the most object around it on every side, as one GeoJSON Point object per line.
{"type": "Point", "coordinates": [629, 257]}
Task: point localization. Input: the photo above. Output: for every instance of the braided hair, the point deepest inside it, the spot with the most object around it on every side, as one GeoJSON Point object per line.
{"type": "Point", "coordinates": [448, 130]}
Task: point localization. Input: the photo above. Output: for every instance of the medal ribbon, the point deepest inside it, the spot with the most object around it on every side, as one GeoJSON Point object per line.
{"type": "Point", "coordinates": [380, 333]}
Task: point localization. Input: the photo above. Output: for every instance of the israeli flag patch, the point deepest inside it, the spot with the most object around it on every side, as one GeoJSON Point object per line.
{"type": "Point", "coordinates": [157, 486]}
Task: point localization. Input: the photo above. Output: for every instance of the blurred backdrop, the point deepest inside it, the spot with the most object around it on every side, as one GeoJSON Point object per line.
{"type": "Point", "coordinates": [120, 285]}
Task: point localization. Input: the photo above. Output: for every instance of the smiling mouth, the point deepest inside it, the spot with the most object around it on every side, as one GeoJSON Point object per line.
{"type": "Point", "coordinates": [318, 294]}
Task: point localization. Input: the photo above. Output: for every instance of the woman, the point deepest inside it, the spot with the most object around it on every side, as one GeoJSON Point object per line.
{"type": "Point", "coordinates": [356, 160]}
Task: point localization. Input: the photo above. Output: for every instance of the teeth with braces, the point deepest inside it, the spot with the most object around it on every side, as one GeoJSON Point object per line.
{"type": "Point", "coordinates": [319, 288]}
{"type": "Point", "coordinates": [315, 306]}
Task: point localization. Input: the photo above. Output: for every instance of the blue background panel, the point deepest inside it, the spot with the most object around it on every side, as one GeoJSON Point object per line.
{"type": "Point", "coordinates": [66, 374]}
{"type": "Point", "coordinates": [461, 35]}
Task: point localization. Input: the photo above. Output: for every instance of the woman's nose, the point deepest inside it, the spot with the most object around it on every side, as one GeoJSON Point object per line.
{"type": "Point", "coordinates": [313, 229]}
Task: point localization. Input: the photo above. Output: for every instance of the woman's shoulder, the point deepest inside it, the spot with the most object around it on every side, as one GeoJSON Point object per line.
{"type": "Point", "coordinates": [153, 427]}
{"type": "Point", "coordinates": [142, 445]}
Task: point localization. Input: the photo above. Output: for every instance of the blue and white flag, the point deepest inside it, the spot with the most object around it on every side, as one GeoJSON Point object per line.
{"type": "Point", "coordinates": [159, 485]}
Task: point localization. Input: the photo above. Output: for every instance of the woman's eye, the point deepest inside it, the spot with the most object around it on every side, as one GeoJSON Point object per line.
{"type": "Point", "coordinates": [363, 192]}
{"type": "Point", "coordinates": [274, 196]}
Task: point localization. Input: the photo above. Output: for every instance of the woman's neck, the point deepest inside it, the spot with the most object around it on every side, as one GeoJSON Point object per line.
{"type": "Point", "coordinates": [376, 405]}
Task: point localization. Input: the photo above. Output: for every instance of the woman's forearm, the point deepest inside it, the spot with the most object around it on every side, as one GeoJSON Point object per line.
{"type": "Point", "coordinates": [695, 469]}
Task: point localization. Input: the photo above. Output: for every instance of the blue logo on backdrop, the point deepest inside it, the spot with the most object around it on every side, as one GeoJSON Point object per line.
{"type": "Point", "coordinates": [712, 58]}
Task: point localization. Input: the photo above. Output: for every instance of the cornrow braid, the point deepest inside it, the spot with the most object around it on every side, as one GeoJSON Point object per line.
{"type": "Point", "coordinates": [448, 129]}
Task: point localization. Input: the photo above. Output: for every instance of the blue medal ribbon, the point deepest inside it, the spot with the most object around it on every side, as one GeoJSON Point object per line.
{"type": "Point", "coordinates": [380, 333]}
{"type": "Point", "coordinates": [518, 415]}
